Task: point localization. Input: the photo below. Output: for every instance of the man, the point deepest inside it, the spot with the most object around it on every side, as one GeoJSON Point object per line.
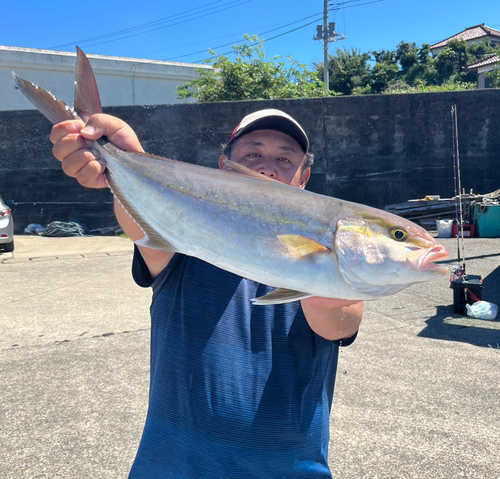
{"type": "Point", "coordinates": [237, 390]}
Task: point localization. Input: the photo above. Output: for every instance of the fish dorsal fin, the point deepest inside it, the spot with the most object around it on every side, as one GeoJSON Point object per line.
{"type": "Point", "coordinates": [301, 247]}
{"type": "Point", "coordinates": [87, 100]}
{"type": "Point", "coordinates": [155, 157]}
{"type": "Point", "coordinates": [243, 170]}
{"type": "Point", "coordinates": [280, 296]}
{"type": "Point", "coordinates": [47, 104]}
{"type": "Point", "coordinates": [151, 238]}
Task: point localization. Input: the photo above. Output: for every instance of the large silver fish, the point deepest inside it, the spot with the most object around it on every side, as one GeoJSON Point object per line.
{"type": "Point", "coordinates": [302, 243]}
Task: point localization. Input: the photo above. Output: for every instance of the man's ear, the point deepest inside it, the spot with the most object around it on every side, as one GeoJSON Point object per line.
{"type": "Point", "coordinates": [222, 165]}
{"type": "Point", "coordinates": [305, 178]}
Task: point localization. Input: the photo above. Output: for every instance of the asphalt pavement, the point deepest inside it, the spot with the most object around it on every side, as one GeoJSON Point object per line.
{"type": "Point", "coordinates": [417, 394]}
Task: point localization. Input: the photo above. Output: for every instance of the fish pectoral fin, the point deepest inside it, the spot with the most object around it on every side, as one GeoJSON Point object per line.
{"type": "Point", "coordinates": [153, 240]}
{"type": "Point", "coordinates": [301, 247]}
{"type": "Point", "coordinates": [280, 296]}
{"type": "Point", "coordinates": [234, 167]}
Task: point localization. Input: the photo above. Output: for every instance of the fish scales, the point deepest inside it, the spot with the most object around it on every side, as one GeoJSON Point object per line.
{"type": "Point", "coordinates": [228, 214]}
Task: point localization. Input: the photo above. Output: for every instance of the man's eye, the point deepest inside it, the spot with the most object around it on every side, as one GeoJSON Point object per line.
{"type": "Point", "coordinates": [284, 160]}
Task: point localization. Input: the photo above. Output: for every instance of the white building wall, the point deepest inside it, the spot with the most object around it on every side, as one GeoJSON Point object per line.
{"type": "Point", "coordinates": [121, 81]}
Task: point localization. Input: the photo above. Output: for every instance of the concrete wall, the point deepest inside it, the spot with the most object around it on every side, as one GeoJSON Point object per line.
{"type": "Point", "coordinates": [121, 81]}
{"type": "Point", "coordinates": [375, 149]}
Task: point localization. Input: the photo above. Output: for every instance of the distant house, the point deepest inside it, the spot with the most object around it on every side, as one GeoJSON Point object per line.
{"type": "Point", "coordinates": [121, 80]}
{"type": "Point", "coordinates": [483, 66]}
{"type": "Point", "coordinates": [476, 34]}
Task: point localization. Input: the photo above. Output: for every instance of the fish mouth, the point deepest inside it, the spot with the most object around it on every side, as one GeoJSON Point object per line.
{"type": "Point", "coordinates": [426, 260]}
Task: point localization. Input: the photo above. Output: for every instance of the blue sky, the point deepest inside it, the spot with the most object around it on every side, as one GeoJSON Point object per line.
{"type": "Point", "coordinates": [183, 31]}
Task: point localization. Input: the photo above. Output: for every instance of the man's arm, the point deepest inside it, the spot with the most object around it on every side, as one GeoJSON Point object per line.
{"type": "Point", "coordinates": [333, 319]}
{"type": "Point", "coordinates": [71, 141]}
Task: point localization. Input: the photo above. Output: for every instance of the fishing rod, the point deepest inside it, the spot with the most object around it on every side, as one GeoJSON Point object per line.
{"type": "Point", "coordinates": [458, 187]}
{"type": "Point", "coordinates": [466, 288]}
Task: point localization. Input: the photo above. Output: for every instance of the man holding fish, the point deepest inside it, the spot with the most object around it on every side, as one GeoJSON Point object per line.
{"type": "Point", "coordinates": [238, 390]}
{"type": "Point", "coordinates": [242, 373]}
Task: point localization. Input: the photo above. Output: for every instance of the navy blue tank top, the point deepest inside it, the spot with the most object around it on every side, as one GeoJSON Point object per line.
{"type": "Point", "coordinates": [237, 391]}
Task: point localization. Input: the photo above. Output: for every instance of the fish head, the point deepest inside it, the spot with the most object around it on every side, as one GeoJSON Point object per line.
{"type": "Point", "coordinates": [379, 253]}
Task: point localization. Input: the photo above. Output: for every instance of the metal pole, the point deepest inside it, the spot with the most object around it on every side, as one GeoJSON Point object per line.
{"type": "Point", "coordinates": [325, 44]}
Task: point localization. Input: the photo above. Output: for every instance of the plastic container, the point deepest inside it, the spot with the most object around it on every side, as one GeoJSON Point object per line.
{"type": "Point", "coordinates": [444, 228]}
{"type": "Point", "coordinates": [467, 229]}
{"type": "Point", "coordinates": [487, 220]}
{"type": "Point", "coordinates": [462, 289]}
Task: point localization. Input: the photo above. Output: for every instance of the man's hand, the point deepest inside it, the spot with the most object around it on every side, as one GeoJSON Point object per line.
{"type": "Point", "coordinates": [72, 140]}
{"type": "Point", "coordinates": [331, 318]}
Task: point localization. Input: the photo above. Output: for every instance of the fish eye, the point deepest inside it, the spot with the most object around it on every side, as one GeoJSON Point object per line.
{"type": "Point", "coordinates": [399, 234]}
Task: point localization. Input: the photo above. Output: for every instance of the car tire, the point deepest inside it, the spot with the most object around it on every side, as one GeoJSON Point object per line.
{"type": "Point", "coordinates": [9, 247]}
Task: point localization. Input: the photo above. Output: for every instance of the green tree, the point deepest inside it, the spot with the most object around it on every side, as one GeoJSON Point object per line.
{"type": "Point", "coordinates": [384, 71]}
{"type": "Point", "coordinates": [462, 56]}
{"type": "Point", "coordinates": [452, 61]}
{"type": "Point", "coordinates": [477, 51]}
{"type": "Point", "coordinates": [251, 77]}
{"type": "Point", "coordinates": [349, 70]}
{"type": "Point", "coordinates": [407, 55]}
{"type": "Point", "coordinates": [424, 54]}
{"type": "Point", "coordinates": [495, 77]}
{"type": "Point", "coordinates": [445, 64]}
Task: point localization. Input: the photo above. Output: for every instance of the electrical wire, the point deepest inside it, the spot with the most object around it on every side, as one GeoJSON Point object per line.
{"type": "Point", "coordinates": [163, 20]}
{"type": "Point", "coordinates": [259, 34]}
{"type": "Point", "coordinates": [290, 31]}
{"type": "Point", "coordinates": [210, 11]}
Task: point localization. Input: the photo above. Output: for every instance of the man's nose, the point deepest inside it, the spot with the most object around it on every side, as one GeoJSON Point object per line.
{"type": "Point", "coordinates": [268, 170]}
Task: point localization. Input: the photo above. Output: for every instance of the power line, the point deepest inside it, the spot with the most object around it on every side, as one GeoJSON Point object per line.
{"type": "Point", "coordinates": [169, 19]}
{"type": "Point", "coordinates": [263, 33]}
{"type": "Point", "coordinates": [191, 44]}
{"type": "Point", "coordinates": [295, 29]}
{"type": "Point", "coordinates": [209, 10]}
{"type": "Point", "coordinates": [268, 39]}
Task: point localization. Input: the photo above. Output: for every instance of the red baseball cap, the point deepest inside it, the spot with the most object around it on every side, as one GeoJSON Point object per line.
{"type": "Point", "coordinates": [271, 119]}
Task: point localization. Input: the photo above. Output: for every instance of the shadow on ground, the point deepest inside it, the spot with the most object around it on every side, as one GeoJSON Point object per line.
{"type": "Point", "coordinates": [449, 326]}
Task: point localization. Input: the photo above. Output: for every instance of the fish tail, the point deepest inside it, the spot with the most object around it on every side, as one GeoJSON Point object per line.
{"type": "Point", "coordinates": [87, 100]}
{"type": "Point", "coordinates": [53, 109]}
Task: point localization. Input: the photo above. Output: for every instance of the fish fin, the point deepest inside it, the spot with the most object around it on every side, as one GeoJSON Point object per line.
{"type": "Point", "coordinates": [53, 109]}
{"type": "Point", "coordinates": [155, 157]}
{"type": "Point", "coordinates": [301, 247]}
{"type": "Point", "coordinates": [151, 238]}
{"type": "Point", "coordinates": [155, 241]}
{"type": "Point", "coordinates": [234, 167]}
{"type": "Point", "coordinates": [87, 100]}
{"type": "Point", "coordinates": [280, 296]}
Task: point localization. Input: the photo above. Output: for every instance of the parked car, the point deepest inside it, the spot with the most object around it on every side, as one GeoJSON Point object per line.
{"type": "Point", "coordinates": [6, 228]}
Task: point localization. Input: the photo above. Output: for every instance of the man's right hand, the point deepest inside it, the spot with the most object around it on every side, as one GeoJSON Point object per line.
{"type": "Point", "coordinates": [72, 139]}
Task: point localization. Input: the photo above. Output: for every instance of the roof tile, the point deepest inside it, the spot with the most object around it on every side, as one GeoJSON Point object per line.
{"type": "Point", "coordinates": [491, 60]}
{"type": "Point", "coordinates": [471, 33]}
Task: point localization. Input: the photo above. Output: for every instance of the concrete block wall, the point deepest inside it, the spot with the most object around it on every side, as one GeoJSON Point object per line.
{"type": "Point", "coordinates": [374, 149]}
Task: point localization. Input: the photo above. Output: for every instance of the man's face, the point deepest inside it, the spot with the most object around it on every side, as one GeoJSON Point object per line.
{"type": "Point", "coordinates": [272, 153]}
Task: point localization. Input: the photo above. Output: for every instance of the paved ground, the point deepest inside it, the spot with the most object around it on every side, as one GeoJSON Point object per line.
{"type": "Point", "coordinates": [417, 394]}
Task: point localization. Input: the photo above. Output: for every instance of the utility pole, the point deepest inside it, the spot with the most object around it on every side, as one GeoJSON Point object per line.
{"type": "Point", "coordinates": [328, 33]}
{"type": "Point", "coordinates": [325, 44]}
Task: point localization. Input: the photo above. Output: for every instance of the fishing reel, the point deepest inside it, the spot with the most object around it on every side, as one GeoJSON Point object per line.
{"type": "Point", "coordinates": [457, 272]}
